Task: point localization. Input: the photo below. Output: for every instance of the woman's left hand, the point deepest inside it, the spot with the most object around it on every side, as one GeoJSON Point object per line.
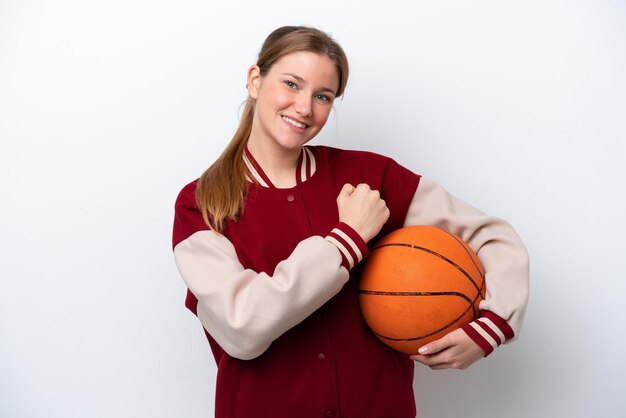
{"type": "Point", "coordinates": [455, 350]}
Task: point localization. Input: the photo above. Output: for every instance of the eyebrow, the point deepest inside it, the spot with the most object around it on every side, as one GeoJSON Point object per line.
{"type": "Point", "coordinates": [300, 79]}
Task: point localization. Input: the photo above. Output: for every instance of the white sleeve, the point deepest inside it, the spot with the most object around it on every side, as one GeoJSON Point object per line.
{"type": "Point", "coordinates": [245, 311]}
{"type": "Point", "coordinates": [496, 243]}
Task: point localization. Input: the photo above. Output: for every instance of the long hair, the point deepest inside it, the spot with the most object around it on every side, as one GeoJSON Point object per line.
{"type": "Point", "coordinates": [222, 188]}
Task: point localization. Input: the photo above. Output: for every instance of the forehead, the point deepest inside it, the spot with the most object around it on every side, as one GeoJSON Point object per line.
{"type": "Point", "coordinates": [311, 67]}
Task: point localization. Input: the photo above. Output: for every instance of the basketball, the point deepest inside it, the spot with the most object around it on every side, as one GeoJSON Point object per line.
{"type": "Point", "coordinates": [418, 284]}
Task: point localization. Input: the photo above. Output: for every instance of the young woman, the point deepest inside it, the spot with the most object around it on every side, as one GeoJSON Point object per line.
{"type": "Point", "coordinates": [268, 238]}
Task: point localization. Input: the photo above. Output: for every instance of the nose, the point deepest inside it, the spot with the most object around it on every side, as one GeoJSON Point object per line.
{"type": "Point", "coordinates": [302, 104]}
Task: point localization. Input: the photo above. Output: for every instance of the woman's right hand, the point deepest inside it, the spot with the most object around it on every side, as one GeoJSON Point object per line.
{"type": "Point", "coordinates": [362, 209]}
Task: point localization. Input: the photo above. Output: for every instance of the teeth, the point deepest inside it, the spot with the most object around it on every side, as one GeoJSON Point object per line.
{"type": "Point", "coordinates": [294, 123]}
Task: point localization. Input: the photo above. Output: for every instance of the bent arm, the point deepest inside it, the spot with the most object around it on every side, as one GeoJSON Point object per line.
{"type": "Point", "coordinates": [499, 249]}
{"type": "Point", "coordinates": [244, 311]}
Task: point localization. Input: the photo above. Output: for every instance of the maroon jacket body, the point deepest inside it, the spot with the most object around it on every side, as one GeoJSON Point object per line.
{"type": "Point", "coordinates": [330, 364]}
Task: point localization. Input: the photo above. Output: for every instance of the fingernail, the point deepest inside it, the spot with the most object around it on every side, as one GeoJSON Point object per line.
{"type": "Point", "coordinates": [423, 350]}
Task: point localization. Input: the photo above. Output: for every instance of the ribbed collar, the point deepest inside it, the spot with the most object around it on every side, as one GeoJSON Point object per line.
{"type": "Point", "coordinates": [304, 170]}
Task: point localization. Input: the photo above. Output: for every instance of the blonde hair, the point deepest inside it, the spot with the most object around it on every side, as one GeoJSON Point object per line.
{"type": "Point", "coordinates": [222, 188]}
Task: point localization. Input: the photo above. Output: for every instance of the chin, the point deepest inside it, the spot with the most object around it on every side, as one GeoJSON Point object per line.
{"type": "Point", "coordinates": [293, 145]}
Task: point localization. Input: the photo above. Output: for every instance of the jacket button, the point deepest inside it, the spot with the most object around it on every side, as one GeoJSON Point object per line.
{"type": "Point", "coordinates": [291, 198]}
{"type": "Point", "coordinates": [321, 357]}
{"type": "Point", "coordinates": [330, 413]}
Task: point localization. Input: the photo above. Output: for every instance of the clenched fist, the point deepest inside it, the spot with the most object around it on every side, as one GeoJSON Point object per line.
{"type": "Point", "coordinates": [362, 209]}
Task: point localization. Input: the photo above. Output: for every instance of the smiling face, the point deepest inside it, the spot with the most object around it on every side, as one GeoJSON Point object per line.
{"type": "Point", "coordinates": [293, 100]}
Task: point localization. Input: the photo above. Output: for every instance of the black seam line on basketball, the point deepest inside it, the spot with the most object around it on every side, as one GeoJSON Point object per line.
{"type": "Point", "coordinates": [380, 293]}
{"type": "Point", "coordinates": [448, 325]}
{"type": "Point", "coordinates": [464, 249]}
{"type": "Point", "coordinates": [436, 254]}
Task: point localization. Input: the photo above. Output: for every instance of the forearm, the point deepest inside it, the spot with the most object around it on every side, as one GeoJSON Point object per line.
{"type": "Point", "coordinates": [496, 243]}
{"type": "Point", "coordinates": [244, 311]}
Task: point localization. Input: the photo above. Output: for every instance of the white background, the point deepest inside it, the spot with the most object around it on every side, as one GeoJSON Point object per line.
{"type": "Point", "coordinates": [107, 108]}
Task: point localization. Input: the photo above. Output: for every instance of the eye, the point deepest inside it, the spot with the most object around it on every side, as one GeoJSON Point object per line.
{"type": "Point", "coordinates": [291, 84]}
{"type": "Point", "coordinates": [323, 98]}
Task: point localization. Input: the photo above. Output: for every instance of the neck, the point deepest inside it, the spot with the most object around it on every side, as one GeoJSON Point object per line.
{"type": "Point", "coordinates": [278, 163]}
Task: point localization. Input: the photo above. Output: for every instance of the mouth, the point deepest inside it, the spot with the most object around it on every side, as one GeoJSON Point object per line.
{"type": "Point", "coordinates": [294, 122]}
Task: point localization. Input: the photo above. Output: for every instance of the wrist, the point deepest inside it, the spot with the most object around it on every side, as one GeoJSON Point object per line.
{"type": "Point", "coordinates": [351, 245]}
{"type": "Point", "coordinates": [489, 331]}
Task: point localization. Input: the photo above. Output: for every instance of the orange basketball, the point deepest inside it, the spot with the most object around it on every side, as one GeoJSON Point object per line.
{"type": "Point", "coordinates": [418, 284]}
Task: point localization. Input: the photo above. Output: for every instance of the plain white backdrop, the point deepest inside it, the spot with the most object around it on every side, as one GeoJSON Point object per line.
{"type": "Point", "coordinates": [107, 108]}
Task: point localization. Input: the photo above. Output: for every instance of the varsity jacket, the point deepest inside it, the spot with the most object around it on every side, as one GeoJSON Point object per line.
{"type": "Point", "coordinates": [277, 296]}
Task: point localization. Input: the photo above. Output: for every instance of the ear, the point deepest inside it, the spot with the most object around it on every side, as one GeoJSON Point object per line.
{"type": "Point", "coordinates": [254, 81]}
